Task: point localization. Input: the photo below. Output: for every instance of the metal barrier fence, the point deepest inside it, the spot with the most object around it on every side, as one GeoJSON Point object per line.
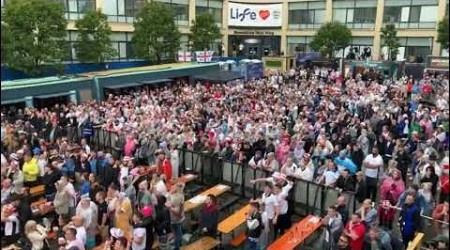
{"type": "Point", "coordinates": [308, 197]}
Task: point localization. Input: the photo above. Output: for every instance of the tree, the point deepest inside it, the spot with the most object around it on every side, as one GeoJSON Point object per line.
{"type": "Point", "coordinates": [204, 31]}
{"type": "Point", "coordinates": [94, 42]}
{"type": "Point", "coordinates": [390, 40]}
{"type": "Point", "coordinates": [442, 38]}
{"type": "Point", "coordinates": [331, 37]}
{"type": "Point", "coordinates": [33, 35]}
{"type": "Point", "coordinates": [155, 33]}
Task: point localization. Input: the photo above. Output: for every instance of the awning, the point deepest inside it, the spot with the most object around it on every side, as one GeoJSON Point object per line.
{"type": "Point", "coordinates": [122, 86]}
{"type": "Point", "coordinates": [437, 69]}
{"type": "Point", "coordinates": [156, 81]}
{"type": "Point", "coordinates": [221, 76]}
{"type": "Point", "coordinates": [301, 58]}
{"type": "Point", "coordinates": [52, 95]}
{"type": "Point", "coordinates": [15, 101]}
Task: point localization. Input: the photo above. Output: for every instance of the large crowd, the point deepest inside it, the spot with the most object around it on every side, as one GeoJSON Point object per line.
{"type": "Point", "coordinates": [384, 141]}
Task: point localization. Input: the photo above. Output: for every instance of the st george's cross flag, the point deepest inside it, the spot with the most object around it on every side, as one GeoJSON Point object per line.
{"type": "Point", "coordinates": [184, 56]}
{"type": "Point", "coordinates": [204, 56]}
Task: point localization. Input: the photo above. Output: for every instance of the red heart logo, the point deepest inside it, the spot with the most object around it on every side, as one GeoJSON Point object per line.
{"type": "Point", "coordinates": [264, 14]}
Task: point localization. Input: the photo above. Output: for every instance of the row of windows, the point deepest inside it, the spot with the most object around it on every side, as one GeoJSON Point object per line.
{"type": "Point", "coordinates": [120, 41]}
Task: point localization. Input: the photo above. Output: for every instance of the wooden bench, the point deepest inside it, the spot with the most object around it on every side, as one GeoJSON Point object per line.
{"type": "Point", "coordinates": [37, 190]}
{"type": "Point", "coordinates": [238, 240]}
{"type": "Point", "coordinates": [416, 244]}
{"type": "Point", "coordinates": [204, 243]}
{"type": "Point", "coordinates": [102, 246]}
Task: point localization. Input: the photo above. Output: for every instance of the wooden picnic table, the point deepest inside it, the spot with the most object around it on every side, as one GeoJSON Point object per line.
{"type": "Point", "coordinates": [184, 179]}
{"type": "Point", "coordinates": [37, 190]}
{"type": "Point", "coordinates": [297, 234]}
{"type": "Point", "coordinates": [233, 221]}
{"type": "Point", "coordinates": [199, 199]}
{"type": "Point", "coordinates": [41, 207]}
{"type": "Point", "coordinates": [204, 243]}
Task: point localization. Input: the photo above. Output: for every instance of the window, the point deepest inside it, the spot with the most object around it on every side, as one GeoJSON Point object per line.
{"type": "Point", "coordinates": [180, 9]}
{"type": "Point", "coordinates": [122, 11]}
{"type": "Point", "coordinates": [214, 7]}
{"type": "Point", "coordinates": [358, 46]}
{"type": "Point", "coordinates": [298, 44]}
{"type": "Point", "coordinates": [356, 14]}
{"type": "Point", "coordinates": [413, 49]}
{"type": "Point", "coordinates": [132, 7]}
{"type": "Point", "coordinates": [75, 9]}
{"type": "Point", "coordinates": [411, 13]}
{"type": "Point", "coordinates": [306, 15]}
{"type": "Point", "coordinates": [121, 42]}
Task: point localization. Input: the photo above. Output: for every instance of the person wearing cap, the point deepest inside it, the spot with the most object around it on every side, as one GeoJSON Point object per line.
{"type": "Point", "coordinates": [163, 164]}
{"type": "Point", "coordinates": [254, 227]}
{"type": "Point", "coordinates": [30, 170]}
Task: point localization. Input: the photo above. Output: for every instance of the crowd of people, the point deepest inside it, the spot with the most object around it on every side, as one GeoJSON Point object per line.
{"type": "Point", "coordinates": [384, 142]}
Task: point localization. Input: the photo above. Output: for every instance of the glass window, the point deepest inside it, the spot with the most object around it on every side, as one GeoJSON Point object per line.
{"type": "Point", "coordinates": [76, 8]}
{"type": "Point", "coordinates": [428, 14]}
{"type": "Point", "coordinates": [365, 15]}
{"type": "Point", "coordinates": [212, 7]}
{"type": "Point", "coordinates": [414, 14]}
{"type": "Point", "coordinates": [392, 14]}
{"type": "Point", "coordinates": [132, 7]}
{"type": "Point", "coordinates": [340, 15]}
{"type": "Point", "coordinates": [306, 14]}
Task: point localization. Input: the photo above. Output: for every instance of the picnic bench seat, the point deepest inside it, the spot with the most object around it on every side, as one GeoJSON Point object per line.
{"type": "Point", "coordinates": [204, 243]}
{"type": "Point", "coordinates": [238, 240]}
{"type": "Point", "coordinates": [37, 190]}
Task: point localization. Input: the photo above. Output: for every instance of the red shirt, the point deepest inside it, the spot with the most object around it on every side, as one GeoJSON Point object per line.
{"type": "Point", "coordinates": [167, 169]}
{"type": "Point", "coordinates": [445, 186]}
{"type": "Point", "coordinates": [359, 230]}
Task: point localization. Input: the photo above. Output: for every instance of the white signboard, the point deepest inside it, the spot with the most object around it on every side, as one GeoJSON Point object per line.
{"type": "Point", "coordinates": [255, 15]}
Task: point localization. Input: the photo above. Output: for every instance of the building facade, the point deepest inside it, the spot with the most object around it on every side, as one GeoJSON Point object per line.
{"type": "Point", "coordinates": [270, 27]}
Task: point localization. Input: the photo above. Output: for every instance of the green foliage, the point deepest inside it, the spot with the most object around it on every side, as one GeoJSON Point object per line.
{"type": "Point", "coordinates": [155, 33]}
{"type": "Point", "coordinates": [390, 40]}
{"type": "Point", "coordinates": [204, 31]}
{"type": "Point", "coordinates": [33, 33]}
{"type": "Point", "coordinates": [442, 38]}
{"type": "Point", "coordinates": [331, 37]}
{"type": "Point", "coordinates": [94, 42]}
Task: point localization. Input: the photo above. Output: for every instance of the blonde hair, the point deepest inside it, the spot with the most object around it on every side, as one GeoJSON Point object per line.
{"type": "Point", "coordinates": [30, 226]}
{"type": "Point", "coordinates": [427, 186]}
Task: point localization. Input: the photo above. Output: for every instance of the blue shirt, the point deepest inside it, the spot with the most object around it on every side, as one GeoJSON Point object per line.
{"type": "Point", "coordinates": [346, 163]}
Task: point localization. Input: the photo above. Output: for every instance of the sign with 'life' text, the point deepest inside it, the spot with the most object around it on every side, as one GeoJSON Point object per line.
{"type": "Point", "coordinates": [255, 15]}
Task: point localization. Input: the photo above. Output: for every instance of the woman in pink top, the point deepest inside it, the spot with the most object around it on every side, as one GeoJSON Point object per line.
{"type": "Point", "coordinates": [130, 146]}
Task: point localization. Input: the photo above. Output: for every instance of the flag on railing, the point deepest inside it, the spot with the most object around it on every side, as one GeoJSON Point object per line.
{"type": "Point", "coordinates": [184, 56]}
{"type": "Point", "coordinates": [204, 56]}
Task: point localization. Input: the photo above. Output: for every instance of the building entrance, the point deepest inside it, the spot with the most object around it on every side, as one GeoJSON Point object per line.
{"type": "Point", "coordinates": [254, 47]}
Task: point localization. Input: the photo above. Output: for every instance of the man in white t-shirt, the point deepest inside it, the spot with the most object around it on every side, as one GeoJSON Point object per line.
{"type": "Point", "coordinates": [271, 206]}
{"type": "Point", "coordinates": [373, 165]}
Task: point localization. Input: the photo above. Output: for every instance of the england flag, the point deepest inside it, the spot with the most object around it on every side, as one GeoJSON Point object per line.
{"type": "Point", "coordinates": [184, 56]}
{"type": "Point", "coordinates": [204, 56]}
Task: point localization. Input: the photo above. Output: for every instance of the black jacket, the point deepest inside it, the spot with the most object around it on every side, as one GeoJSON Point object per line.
{"type": "Point", "coordinates": [346, 184]}
{"type": "Point", "coordinates": [209, 219]}
{"type": "Point", "coordinates": [162, 227]}
{"type": "Point", "coordinates": [360, 192]}
{"type": "Point", "coordinates": [49, 180]}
